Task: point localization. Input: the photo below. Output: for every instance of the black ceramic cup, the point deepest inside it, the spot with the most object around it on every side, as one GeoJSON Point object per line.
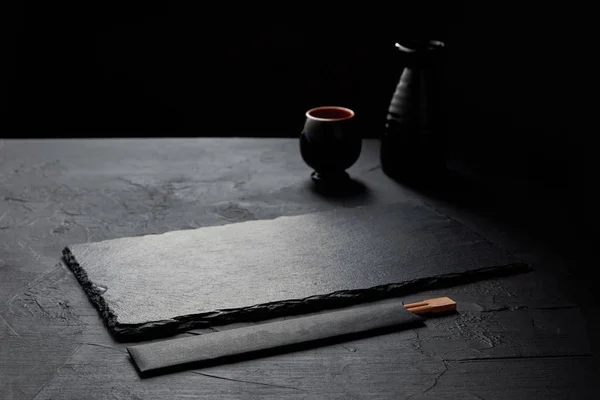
{"type": "Point", "coordinates": [330, 144]}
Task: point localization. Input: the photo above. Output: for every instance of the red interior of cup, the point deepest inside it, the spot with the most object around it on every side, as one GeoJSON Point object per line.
{"type": "Point", "coordinates": [330, 113]}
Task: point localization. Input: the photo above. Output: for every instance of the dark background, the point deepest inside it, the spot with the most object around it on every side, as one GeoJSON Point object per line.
{"type": "Point", "coordinates": [109, 70]}
{"type": "Point", "coordinates": [191, 70]}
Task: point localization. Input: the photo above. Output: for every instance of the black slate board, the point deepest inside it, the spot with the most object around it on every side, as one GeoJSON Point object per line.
{"type": "Point", "coordinates": [157, 285]}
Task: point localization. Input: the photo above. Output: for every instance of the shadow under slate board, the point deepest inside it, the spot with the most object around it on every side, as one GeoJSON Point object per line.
{"type": "Point", "coordinates": [157, 285]}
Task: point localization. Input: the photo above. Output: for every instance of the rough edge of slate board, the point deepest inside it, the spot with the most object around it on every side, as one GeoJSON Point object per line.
{"type": "Point", "coordinates": [261, 312]}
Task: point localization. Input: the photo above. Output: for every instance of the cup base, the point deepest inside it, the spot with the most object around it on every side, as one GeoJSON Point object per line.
{"type": "Point", "coordinates": [331, 179]}
{"type": "Point", "coordinates": [337, 185]}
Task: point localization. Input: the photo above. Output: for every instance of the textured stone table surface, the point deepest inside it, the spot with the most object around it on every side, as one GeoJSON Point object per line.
{"type": "Point", "coordinates": [525, 336]}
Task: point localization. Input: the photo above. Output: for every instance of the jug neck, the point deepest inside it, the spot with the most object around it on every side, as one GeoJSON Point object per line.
{"type": "Point", "coordinates": [420, 53]}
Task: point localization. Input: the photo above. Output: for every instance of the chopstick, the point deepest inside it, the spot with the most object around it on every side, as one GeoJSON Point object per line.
{"type": "Point", "coordinates": [437, 305]}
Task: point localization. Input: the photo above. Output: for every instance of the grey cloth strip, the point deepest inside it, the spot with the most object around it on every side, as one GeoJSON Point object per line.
{"type": "Point", "coordinates": [160, 357]}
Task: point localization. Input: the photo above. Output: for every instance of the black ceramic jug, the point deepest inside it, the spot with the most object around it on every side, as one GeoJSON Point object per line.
{"type": "Point", "coordinates": [414, 139]}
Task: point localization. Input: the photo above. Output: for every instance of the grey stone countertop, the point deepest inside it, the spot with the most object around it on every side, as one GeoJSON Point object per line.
{"type": "Point", "coordinates": [521, 337]}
